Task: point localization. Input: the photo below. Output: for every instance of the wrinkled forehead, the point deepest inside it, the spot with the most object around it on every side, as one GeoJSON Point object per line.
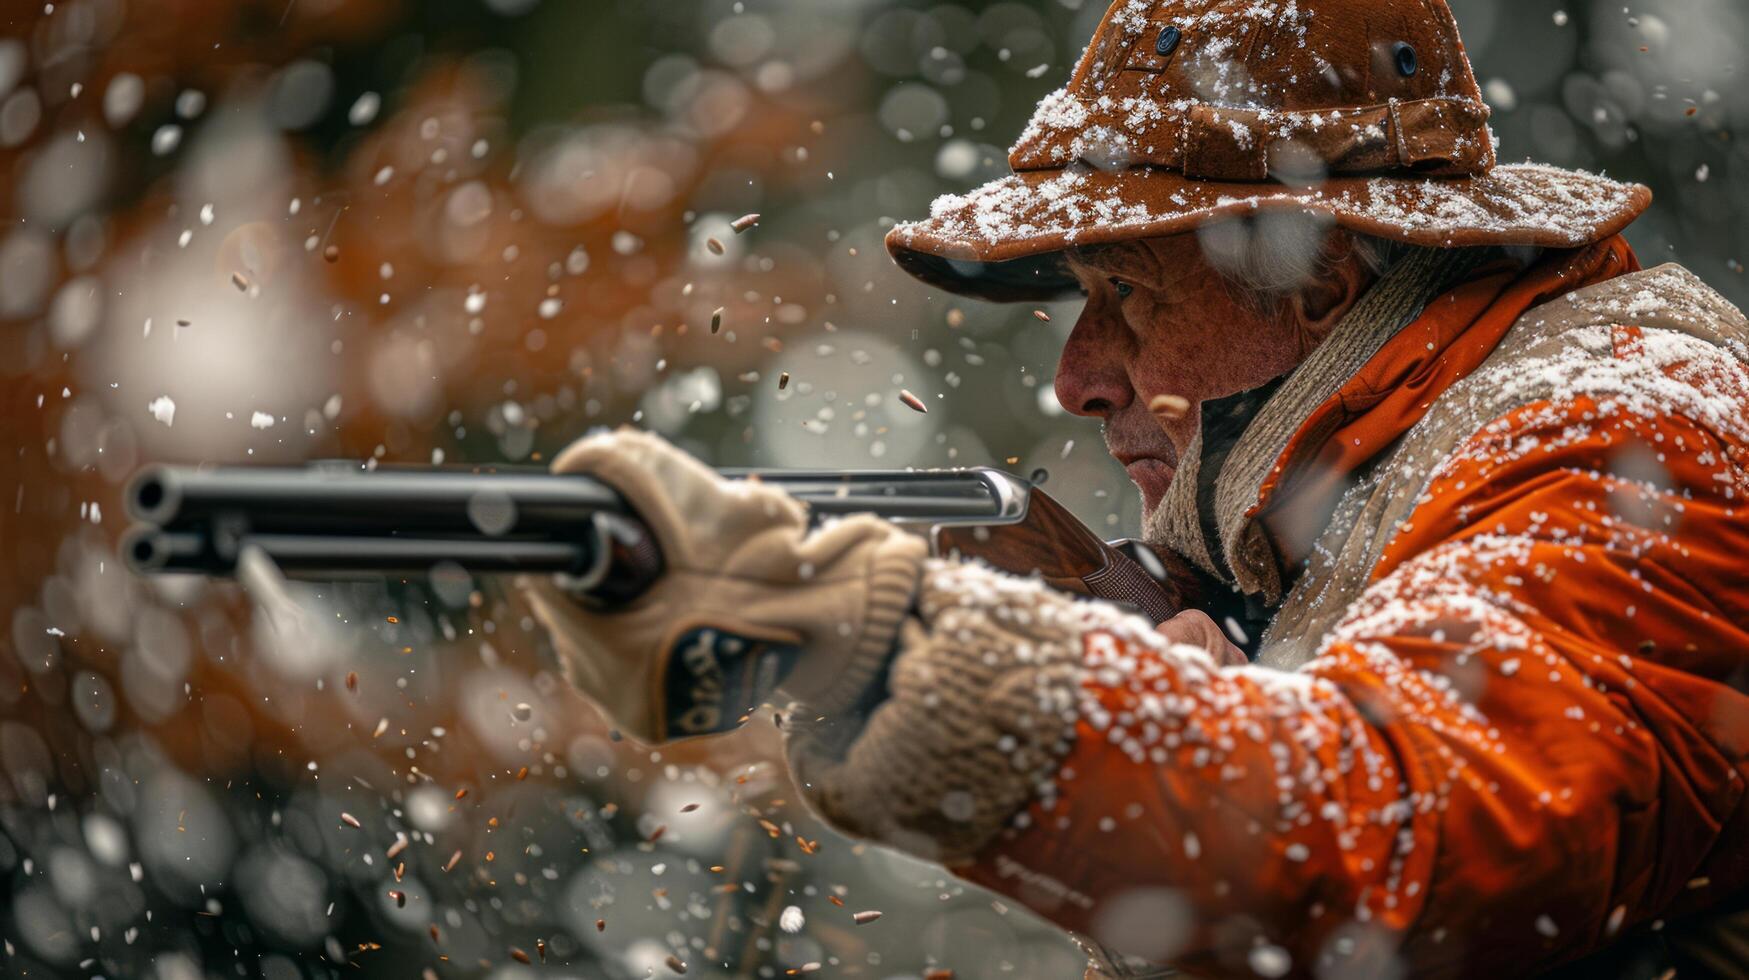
{"type": "Point", "coordinates": [1148, 260]}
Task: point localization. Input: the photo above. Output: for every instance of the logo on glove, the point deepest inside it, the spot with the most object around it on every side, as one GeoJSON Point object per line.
{"type": "Point", "coordinates": [715, 678]}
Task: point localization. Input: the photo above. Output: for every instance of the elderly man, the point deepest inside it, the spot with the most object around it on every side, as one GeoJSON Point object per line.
{"type": "Point", "coordinates": [1480, 477]}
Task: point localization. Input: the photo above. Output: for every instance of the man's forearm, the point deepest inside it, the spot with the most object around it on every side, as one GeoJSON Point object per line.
{"type": "Point", "coordinates": [980, 708]}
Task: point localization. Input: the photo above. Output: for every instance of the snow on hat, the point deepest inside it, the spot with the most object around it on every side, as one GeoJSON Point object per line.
{"type": "Point", "coordinates": [1181, 112]}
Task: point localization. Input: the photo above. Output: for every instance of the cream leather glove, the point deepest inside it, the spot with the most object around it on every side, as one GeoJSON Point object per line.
{"type": "Point", "coordinates": [750, 598]}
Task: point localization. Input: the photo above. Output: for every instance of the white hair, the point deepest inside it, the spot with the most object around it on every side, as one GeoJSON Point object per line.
{"type": "Point", "coordinates": [1271, 256]}
{"type": "Point", "coordinates": [1267, 258]}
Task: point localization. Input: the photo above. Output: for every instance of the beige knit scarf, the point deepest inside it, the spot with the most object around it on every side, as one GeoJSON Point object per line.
{"type": "Point", "coordinates": [1393, 302]}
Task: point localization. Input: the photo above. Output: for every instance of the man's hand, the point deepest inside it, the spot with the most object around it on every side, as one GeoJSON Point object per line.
{"type": "Point", "coordinates": [1192, 627]}
{"type": "Point", "coordinates": [749, 598]}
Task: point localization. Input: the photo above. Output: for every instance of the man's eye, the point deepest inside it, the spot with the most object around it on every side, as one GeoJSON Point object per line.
{"type": "Point", "coordinates": [1123, 288]}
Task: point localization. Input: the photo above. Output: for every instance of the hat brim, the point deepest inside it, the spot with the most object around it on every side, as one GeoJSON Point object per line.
{"type": "Point", "coordinates": [1003, 241]}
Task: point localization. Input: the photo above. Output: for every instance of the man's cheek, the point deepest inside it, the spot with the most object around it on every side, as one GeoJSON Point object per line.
{"type": "Point", "coordinates": [1180, 433]}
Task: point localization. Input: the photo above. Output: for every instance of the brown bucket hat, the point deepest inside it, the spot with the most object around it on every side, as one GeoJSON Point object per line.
{"type": "Point", "coordinates": [1364, 112]}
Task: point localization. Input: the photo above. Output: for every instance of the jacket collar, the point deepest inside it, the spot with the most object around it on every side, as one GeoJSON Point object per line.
{"type": "Point", "coordinates": [1271, 463]}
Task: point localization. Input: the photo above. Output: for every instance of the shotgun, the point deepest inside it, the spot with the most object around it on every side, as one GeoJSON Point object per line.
{"type": "Point", "coordinates": [340, 520]}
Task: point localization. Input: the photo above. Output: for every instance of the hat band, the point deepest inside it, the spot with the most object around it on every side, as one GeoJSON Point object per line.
{"type": "Point", "coordinates": [1436, 137]}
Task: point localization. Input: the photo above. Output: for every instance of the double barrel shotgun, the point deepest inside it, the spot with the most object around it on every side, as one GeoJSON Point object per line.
{"type": "Point", "coordinates": [341, 520]}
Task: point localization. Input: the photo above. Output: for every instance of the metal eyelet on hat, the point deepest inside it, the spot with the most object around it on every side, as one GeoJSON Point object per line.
{"type": "Point", "coordinates": [1167, 40]}
{"type": "Point", "coordinates": [1406, 60]}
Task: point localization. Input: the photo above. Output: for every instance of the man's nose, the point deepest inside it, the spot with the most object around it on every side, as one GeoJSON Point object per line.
{"type": "Point", "coordinates": [1091, 379]}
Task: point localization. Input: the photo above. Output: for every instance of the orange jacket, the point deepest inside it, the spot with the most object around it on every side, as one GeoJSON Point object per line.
{"type": "Point", "coordinates": [1526, 739]}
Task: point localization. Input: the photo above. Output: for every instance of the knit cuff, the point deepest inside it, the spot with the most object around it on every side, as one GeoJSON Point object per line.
{"type": "Point", "coordinates": [979, 714]}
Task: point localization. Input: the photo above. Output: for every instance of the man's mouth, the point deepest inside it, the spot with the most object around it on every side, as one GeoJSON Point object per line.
{"type": "Point", "coordinates": [1152, 477]}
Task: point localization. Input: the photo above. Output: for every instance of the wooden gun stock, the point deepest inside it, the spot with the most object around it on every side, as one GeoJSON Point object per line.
{"type": "Point", "coordinates": [1052, 544]}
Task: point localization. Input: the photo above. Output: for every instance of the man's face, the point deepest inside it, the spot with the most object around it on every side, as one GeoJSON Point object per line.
{"type": "Point", "coordinates": [1160, 320]}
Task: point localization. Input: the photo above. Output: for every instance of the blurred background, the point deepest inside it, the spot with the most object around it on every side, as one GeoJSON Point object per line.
{"type": "Point", "coordinates": [466, 231]}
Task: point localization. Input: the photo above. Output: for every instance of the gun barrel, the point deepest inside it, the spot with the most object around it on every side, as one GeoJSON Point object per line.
{"type": "Point", "coordinates": [325, 521]}
{"type": "Point", "coordinates": [336, 556]}
{"type": "Point", "coordinates": [319, 498]}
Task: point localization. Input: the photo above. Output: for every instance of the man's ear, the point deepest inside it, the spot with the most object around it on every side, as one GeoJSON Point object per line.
{"type": "Point", "coordinates": [1320, 304]}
